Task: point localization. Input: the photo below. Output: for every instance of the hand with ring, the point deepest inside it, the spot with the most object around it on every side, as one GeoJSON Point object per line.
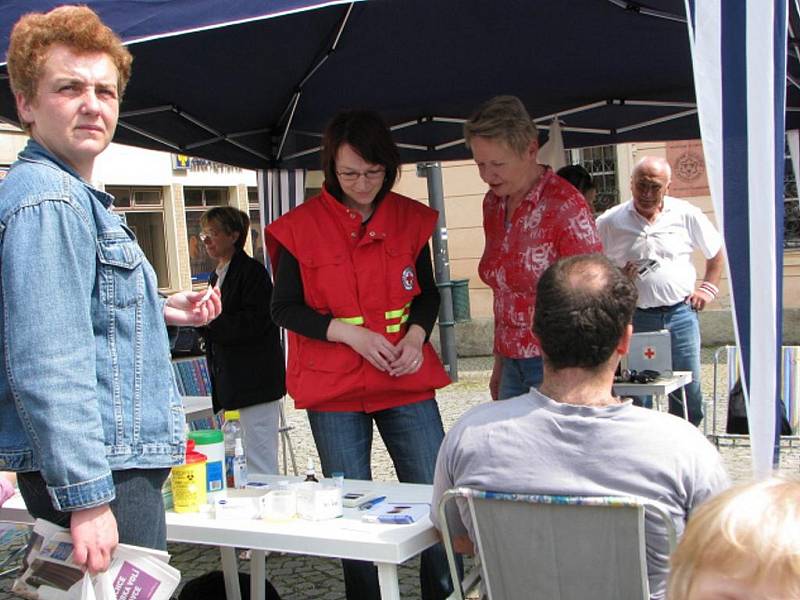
{"type": "Point", "coordinates": [409, 348]}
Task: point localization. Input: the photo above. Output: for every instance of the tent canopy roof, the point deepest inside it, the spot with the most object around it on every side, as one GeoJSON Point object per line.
{"type": "Point", "coordinates": [229, 92]}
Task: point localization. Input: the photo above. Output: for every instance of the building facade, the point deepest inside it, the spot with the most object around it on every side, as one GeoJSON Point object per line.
{"type": "Point", "coordinates": [163, 195]}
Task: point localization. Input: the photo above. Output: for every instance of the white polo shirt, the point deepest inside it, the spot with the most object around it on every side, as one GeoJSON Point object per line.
{"type": "Point", "coordinates": [678, 230]}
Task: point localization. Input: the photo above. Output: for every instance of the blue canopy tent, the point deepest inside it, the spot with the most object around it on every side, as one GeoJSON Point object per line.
{"type": "Point", "coordinates": [252, 82]}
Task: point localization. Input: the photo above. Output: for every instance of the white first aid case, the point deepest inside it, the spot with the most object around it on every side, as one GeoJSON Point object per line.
{"type": "Point", "coordinates": [650, 350]}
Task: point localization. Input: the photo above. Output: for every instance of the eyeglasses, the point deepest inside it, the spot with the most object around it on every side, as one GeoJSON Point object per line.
{"type": "Point", "coordinates": [207, 235]}
{"type": "Point", "coordinates": [371, 175]}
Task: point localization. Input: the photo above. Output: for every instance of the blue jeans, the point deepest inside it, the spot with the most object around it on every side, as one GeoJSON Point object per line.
{"type": "Point", "coordinates": [412, 434]}
{"type": "Point", "coordinates": [684, 328]}
{"type": "Point", "coordinates": [519, 376]}
{"type": "Point", "coordinates": [138, 506]}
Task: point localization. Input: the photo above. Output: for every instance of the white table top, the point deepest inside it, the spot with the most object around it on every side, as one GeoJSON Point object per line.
{"type": "Point", "coordinates": [196, 404]}
{"type": "Point", "coordinates": [346, 537]}
{"type": "Point", "coordinates": [660, 387]}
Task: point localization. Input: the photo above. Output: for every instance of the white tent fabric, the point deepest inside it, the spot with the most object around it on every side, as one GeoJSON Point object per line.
{"type": "Point", "coordinates": [279, 191]}
{"type": "Point", "coordinates": [738, 54]}
{"type": "Point", "coordinates": [552, 153]}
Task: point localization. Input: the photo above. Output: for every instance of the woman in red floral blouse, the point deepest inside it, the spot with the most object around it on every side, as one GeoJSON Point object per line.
{"type": "Point", "coordinates": [531, 218]}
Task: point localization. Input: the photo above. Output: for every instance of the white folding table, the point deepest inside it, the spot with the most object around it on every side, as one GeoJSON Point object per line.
{"type": "Point", "coordinates": [659, 389]}
{"type": "Point", "coordinates": [385, 545]}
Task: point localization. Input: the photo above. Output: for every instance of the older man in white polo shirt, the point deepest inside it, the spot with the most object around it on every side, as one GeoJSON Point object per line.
{"type": "Point", "coordinates": [652, 237]}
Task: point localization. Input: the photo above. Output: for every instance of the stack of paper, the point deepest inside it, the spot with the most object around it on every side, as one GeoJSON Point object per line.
{"type": "Point", "coordinates": [48, 571]}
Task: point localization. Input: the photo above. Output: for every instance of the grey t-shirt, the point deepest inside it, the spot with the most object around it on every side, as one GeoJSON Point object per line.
{"type": "Point", "coordinates": [532, 444]}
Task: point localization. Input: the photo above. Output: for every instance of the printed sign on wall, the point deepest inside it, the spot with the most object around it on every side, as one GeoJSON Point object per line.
{"type": "Point", "coordinates": [688, 169]}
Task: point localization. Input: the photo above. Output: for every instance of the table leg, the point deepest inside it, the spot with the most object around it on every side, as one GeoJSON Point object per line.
{"type": "Point", "coordinates": [685, 406]}
{"type": "Point", "coordinates": [230, 569]}
{"type": "Point", "coordinates": [258, 574]}
{"type": "Point", "coordinates": [387, 580]}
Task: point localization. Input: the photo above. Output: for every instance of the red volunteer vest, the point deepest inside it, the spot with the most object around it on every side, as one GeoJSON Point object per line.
{"type": "Point", "coordinates": [368, 281]}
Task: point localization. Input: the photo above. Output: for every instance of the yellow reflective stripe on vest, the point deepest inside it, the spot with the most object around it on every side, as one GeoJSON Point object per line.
{"type": "Point", "coordinates": [400, 313]}
{"type": "Point", "coordinates": [396, 327]}
{"type": "Point", "coordinates": [351, 320]}
{"type": "Point", "coordinates": [396, 314]}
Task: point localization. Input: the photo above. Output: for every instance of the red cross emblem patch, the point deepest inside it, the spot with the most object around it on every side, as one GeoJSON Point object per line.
{"type": "Point", "coordinates": [408, 279]}
{"type": "Point", "coordinates": [649, 352]}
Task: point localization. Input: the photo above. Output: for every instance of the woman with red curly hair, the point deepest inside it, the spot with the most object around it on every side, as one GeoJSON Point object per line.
{"type": "Point", "coordinates": [90, 417]}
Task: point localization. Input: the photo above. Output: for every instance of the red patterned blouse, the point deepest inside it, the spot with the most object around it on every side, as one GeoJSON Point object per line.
{"type": "Point", "coordinates": [552, 221]}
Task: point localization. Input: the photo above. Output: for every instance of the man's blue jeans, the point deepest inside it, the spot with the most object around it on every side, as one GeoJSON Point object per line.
{"type": "Point", "coordinates": [412, 434]}
{"type": "Point", "coordinates": [138, 506]}
{"type": "Point", "coordinates": [681, 321]}
{"type": "Point", "coordinates": [519, 376]}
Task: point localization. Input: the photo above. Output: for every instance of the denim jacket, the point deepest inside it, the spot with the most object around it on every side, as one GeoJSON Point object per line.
{"type": "Point", "coordinates": [86, 384]}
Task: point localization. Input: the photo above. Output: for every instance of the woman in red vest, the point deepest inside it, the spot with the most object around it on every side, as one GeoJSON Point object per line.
{"type": "Point", "coordinates": [354, 288]}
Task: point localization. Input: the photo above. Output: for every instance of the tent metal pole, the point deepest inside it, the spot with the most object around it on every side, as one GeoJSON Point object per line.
{"type": "Point", "coordinates": [303, 153]}
{"type": "Point", "coordinates": [288, 124]}
{"type": "Point", "coordinates": [680, 115]}
{"type": "Point", "coordinates": [149, 135]}
{"type": "Point", "coordinates": [432, 171]}
{"type": "Point", "coordinates": [292, 106]}
{"type": "Point", "coordinates": [146, 111]}
{"type": "Point", "coordinates": [410, 146]}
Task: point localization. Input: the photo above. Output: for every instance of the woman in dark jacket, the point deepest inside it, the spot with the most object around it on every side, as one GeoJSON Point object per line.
{"type": "Point", "coordinates": [244, 353]}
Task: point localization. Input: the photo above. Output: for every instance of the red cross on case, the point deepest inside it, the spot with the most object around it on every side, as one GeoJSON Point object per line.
{"type": "Point", "coordinates": [649, 352]}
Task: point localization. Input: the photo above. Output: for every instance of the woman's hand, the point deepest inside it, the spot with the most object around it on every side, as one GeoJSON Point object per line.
{"type": "Point", "coordinates": [494, 380]}
{"type": "Point", "coordinates": [193, 308]}
{"type": "Point", "coordinates": [375, 348]}
{"type": "Point", "coordinates": [94, 537]}
{"type": "Point", "coordinates": [409, 357]}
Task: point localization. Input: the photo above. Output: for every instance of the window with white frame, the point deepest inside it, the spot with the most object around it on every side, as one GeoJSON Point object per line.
{"type": "Point", "coordinates": [601, 163]}
{"type": "Point", "coordinates": [143, 209]}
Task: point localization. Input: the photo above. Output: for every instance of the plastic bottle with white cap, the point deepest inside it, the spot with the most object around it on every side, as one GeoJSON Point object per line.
{"type": "Point", "coordinates": [239, 466]}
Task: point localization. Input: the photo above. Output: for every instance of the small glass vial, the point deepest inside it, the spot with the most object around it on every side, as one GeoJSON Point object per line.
{"type": "Point", "coordinates": [310, 473]}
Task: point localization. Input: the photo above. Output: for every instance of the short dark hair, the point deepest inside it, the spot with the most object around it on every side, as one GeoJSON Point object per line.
{"type": "Point", "coordinates": [578, 177]}
{"type": "Point", "coordinates": [231, 219]}
{"type": "Point", "coordinates": [583, 305]}
{"type": "Point", "coordinates": [367, 133]}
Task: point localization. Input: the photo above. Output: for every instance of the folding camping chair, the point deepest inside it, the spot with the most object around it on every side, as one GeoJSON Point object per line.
{"type": "Point", "coordinates": [564, 547]}
{"type": "Point", "coordinates": [726, 374]}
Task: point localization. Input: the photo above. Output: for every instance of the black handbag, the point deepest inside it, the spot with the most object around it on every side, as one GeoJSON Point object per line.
{"type": "Point", "coordinates": [211, 586]}
{"type": "Point", "coordinates": [737, 413]}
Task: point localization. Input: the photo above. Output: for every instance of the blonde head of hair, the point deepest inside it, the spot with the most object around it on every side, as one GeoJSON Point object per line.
{"type": "Point", "coordinates": [504, 119]}
{"type": "Point", "coordinates": [750, 532]}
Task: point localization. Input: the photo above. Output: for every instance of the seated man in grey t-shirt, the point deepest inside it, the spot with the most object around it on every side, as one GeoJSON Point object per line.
{"type": "Point", "coordinates": [603, 446]}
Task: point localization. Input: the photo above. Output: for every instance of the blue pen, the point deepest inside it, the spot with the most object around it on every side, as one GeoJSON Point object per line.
{"type": "Point", "coordinates": [370, 503]}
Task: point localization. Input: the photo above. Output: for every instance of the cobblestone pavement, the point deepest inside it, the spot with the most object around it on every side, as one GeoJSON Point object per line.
{"type": "Point", "coordinates": [302, 577]}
